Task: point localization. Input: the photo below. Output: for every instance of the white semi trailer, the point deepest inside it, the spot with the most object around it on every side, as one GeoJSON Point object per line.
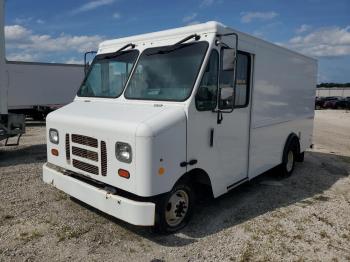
{"type": "Point", "coordinates": [32, 89]}
{"type": "Point", "coordinates": [35, 89]}
{"type": "Point", "coordinates": [164, 114]}
{"type": "Point", "coordinates": [10, 124]}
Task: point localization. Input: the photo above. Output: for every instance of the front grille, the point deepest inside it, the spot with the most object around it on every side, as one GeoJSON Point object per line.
{"type": "Point", "coordinates": [91, 153]}
{"type": "Point", "coordinates": [85, 153]}
{"type": "Point", "coordinates": [103, 158]}
{"type": "Point", "coordinates": [85, 167]}
{"type": "Point", "coordinates": [84, 140]}
{"type": "Point", "coordinates": [67, 147]}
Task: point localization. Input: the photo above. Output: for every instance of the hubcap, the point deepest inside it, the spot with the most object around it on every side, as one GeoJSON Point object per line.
{"type": "Point", "coordinates": [290, 161]}
{"type": "Point", "coordinates": [176, 208]}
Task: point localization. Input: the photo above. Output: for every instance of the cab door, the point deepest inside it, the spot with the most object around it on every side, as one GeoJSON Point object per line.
{"type": "Point", "coordinates": [233, 131]}
{"type": "Point", "coordinates": [221, 147]}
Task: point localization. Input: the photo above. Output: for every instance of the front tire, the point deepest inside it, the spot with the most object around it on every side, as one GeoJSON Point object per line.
{"type": "Point", "coordinates": [175, 209]}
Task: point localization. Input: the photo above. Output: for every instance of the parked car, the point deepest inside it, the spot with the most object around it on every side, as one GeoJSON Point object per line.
{"type": "Point", "coordinates": [323, 102]}
{"type": "Point", "coordinates": [342, 104]}
{"type": "Point", "coordinates": [334, 103]}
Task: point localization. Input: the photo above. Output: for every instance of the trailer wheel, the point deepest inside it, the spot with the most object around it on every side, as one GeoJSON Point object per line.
{"type": "Point", "coordinates": [290, 155]}
{"type": "Point", "coordinates": [175, 209]}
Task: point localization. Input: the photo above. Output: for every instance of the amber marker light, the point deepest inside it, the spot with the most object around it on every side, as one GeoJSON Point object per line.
{"type": "Point", "coordinates": [161, 171]}
{"type": "Point", "coordinates": [54, 152]}
{"type": "Point", "coordinates": [124, 173]}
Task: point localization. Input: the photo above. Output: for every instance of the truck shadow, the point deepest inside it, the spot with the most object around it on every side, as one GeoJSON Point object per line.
{"type": "Point", "coordinates": [22, 155]}
{"type": "Point", "coordinates": [264, 194]}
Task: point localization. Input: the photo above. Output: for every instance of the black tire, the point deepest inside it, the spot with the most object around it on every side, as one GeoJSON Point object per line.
{"type": "Point", "coordinates": [290, 154]}
{"type": "Point", "coordinates": [164, 224]}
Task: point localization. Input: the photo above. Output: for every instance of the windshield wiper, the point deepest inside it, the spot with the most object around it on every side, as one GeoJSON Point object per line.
{"type": "Point", "coordinates": [116, 53]}
{"type": "Point", "coordinates": [176, 46]}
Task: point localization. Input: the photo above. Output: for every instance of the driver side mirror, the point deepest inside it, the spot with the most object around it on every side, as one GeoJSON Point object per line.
{"type": "Point", "coordinates": [228, 59]}
{"type": "Point", "coordinates": [227, 80]}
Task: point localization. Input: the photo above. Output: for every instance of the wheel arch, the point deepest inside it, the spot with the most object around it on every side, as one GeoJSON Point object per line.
{"type": "Point", "coordinates": [197, 176]}
{"type": "Point", "coordinates": [292, 138]}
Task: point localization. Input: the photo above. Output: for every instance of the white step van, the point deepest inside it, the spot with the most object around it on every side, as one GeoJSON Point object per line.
{"type": "Point", "coordinates": [163, 114]}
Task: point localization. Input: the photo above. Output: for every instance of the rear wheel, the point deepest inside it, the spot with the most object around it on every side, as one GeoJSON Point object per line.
{"type": "Point", "coordinates": [290, 155]}
{"type": "Point", "coordinates": [174, 210]}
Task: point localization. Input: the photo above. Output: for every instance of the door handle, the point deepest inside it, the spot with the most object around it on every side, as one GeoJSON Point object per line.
{"type": "Point", "coordinates": [212, 137]}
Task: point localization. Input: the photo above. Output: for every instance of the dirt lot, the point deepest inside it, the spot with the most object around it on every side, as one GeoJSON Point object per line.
{"type": "Point", "coordinates": [304, 217]}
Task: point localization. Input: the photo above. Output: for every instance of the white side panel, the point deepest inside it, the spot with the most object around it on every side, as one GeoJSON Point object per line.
{"type": "Point", "coordinates": [32, 84]}
{"type": "Point", "coordinates": [283, 102]}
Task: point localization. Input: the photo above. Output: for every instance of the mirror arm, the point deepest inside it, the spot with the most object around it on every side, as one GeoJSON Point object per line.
{"type": "Point", "coordinates": [219, 117]}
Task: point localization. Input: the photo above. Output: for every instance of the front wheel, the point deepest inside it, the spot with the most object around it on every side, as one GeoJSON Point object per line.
{"type": "Point", "coordinates": [174, 210]}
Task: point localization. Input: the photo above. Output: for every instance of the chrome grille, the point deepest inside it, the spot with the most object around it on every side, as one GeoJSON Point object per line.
{"type": "Point", "coordinates": [103, 158]}
{"type": "Point", "coordinates": [85, 153]}
{"type": "Point", "coordinates": [67, 147]}
{"type": "Point", "coordinates": [85, 167]}
{"type": "Point", "coordinates": [84, 140]}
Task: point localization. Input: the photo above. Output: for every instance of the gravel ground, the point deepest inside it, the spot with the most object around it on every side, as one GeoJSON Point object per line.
{"type": "Point", "coordinates": [304, 217]}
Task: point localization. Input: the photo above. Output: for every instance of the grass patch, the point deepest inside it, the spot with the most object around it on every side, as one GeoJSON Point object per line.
{"type": "Point", "coordinates": [30, 236]}
{"type": "Point", "coordinates": [247, 253]}
{"type": "Point", "coordinates": [68, 233]}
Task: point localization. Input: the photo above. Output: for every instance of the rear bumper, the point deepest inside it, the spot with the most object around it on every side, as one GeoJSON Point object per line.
{"type": "Point", "coordinates": [133, 212]}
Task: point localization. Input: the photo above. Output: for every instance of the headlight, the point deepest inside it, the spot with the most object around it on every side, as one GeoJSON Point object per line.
{"type": "Point", "coordinates": [123, 152]}
{"type": "Point", "coordinates": [53, 135]}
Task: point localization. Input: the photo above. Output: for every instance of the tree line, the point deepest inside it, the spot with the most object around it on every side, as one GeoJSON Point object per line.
{"type": "Point", "coordinates": [330, 85]}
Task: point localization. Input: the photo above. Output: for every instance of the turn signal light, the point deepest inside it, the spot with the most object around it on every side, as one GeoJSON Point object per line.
{"type": "Point", "coordinates": [124, 173]}
{"type": "Point", "coordinates": [54, 152]}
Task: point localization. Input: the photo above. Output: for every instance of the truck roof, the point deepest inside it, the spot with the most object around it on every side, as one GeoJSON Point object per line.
{"type": "Point", "coordinates": [208, 27]}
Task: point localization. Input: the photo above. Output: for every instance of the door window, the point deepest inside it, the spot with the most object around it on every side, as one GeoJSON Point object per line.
{"type": "Point", "coordinates": [207, 92]}
{"type": "Point", "coordinates": [242, 82]}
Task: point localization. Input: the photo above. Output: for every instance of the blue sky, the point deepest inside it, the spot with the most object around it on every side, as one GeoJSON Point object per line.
{"type": "Point", "coordinates": [60, 31]}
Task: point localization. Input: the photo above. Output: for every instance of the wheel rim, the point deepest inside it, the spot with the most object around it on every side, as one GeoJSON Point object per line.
{"type": "Point", "coordinates": [176, 208]}
{"type": "Point", "coordinates": [290, 161]}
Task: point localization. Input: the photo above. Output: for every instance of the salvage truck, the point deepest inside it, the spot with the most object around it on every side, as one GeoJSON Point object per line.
{"type": "Point", "coordinates": [160, 116]}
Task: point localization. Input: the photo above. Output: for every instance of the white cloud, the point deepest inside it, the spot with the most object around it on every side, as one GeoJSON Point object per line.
{"type": "Point", "coordinates": [324, 42]}
{"type": "Point", "coordinates": [25, 57]}
{"type": "Point", "coordinates": [40, 21]}
{"type": "Point", "coordinates": [194, 22]}
{"type": "Point", "coordinates": [16, 32]}
{"type": "Point", "coordinates": [189, 18]}
{"type": "Point", "coordinates": [23, 44]}
{"type": "Point", "coordinates": [74, 60]}
{"type": "Point", "coordinates": [91, 6]}
{"type": "Point", "coordinates": [116, 15]}
{"type": "Point", "coordinates": [206, 3]}
{"type": "Point", "coordinates": [303, 28]}
{"type": "Point", "coordinates": [247, 17]}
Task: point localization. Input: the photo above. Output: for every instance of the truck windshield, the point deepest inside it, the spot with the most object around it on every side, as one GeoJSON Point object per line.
{"type": "Point", "coordinates": [108, 75]}
{"type": "Point", "coordinates": [166, 73]}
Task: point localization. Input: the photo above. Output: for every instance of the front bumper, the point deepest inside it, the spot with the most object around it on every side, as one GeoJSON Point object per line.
{"type": "Point", "coordinates": [133, 212]}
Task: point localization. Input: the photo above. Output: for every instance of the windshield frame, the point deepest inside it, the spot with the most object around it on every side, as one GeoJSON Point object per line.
{"type": "Point", "coordinates": [105, 56]}
{"type": "Point", "coordinates": [205, 53]}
